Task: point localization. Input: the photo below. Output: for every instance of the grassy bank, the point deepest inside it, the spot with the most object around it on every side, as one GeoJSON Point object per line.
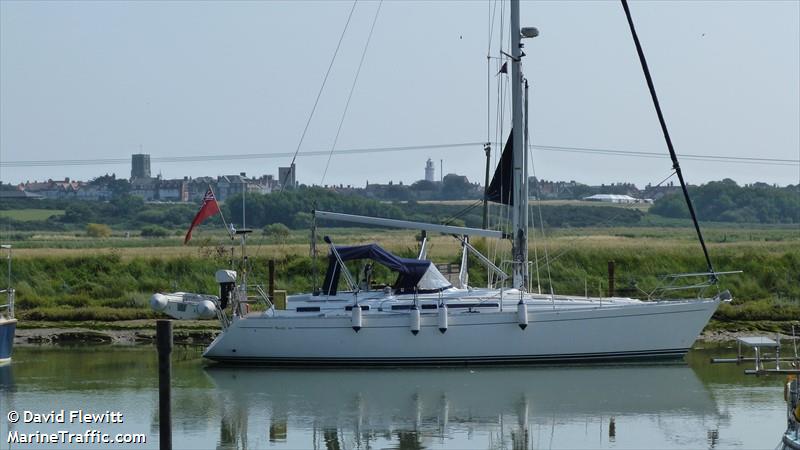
{"type": "Point", "coordinates": [114, 283]}
{"type": "Point", "coordinates": [31, 214]}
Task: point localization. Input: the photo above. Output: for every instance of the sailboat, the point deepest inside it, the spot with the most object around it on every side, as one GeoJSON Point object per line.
{"type": "Point", "coordinates": [422, 318]}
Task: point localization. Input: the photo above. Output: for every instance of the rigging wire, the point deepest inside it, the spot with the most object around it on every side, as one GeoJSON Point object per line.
{"type": "Point", "coordinates": [245, 156]}
{"type": "Point", "coordinates": [322, 87]}
{"type": "Point", "coordinates": [464, 211]}
{"type": "Point", "coordinates": [352, 89]}
{"type": "Point", "coordinates": [502, 95]}
{"type": "Point", "coordinates": [493, 10]}
{"type": "Point", "coordinates": [541, 225]}
{"type": "Point", "coordinates": [613, 152]}
{"type": "Point", "coordinates": [665, 179]}
{"type": "Point", "coordinates": [532, 221]}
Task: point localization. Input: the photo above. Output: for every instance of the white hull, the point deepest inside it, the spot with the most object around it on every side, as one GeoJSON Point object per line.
{"type": "Point", "coordinates": [581, 332]}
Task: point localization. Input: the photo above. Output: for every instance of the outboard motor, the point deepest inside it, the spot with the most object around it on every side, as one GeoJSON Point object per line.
{"type": "Point", "coordinates": [227, 283]}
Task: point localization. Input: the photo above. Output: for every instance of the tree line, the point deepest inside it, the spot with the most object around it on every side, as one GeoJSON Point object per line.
{"type": "Point", "coordinates": [719, 201]}
{"type": "Point", "coordinates": [726, 201]}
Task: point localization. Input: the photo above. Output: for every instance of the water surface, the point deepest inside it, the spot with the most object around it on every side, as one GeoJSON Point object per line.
{"type": "Point", "coordinates": [682, 406]}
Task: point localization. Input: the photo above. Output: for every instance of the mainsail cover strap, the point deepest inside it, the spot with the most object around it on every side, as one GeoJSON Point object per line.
{"type": "Point", "coordinates": [501, 190]}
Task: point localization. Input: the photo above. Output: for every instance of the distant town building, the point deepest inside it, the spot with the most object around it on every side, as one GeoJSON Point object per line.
{"type": "Point", "coordinates": [52, 188]}
{"type": "Point", "coordinates": [429, 170]}
{"type": "Point", "coordinates": [287, 177]}
{"type": "Point", "coordinates": [264, 185]}
{"type": "Point", "coordinates": [95, 193]}
{"type": "Point", "coordinates": [616, 198]}
{"type": "Point", "coordinates": [198, 187]}
{"type": "Point", "coordinates": [656, 192]}
{"type": "Point", "coordinates": [145, 187]}
{"type": "Point", "coordinates": [229, 185]}
{"type": "Point", "coordinates": [140, 166]}
{"type": "Point", "coordinates": [173, 190]}
{"type": "Point", "coordinates": [153, 189]}
{"type": "Point", "coordinates": [20, 194]}
{"type": "Point", "coordinates": [549, 190]}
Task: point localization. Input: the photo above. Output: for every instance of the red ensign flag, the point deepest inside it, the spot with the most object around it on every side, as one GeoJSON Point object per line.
{"type": "Point", "coordinates": [209, 208]}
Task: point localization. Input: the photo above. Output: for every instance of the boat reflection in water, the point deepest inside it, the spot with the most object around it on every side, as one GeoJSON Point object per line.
{"type": "Point", "coordinates": [6, 378]}
{"type": "Point", "coordinates": [480, 407]}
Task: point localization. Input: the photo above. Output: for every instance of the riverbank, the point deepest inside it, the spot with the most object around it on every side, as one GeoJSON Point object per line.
{"type": "Point", "coordinates": [202, 332]}
{"type": "Point", "coordinates": [123, 332]}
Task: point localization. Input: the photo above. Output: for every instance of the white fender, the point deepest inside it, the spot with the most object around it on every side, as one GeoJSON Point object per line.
{"type": "Point", "coordinates": [207, 309]}
{"type": "Point", "coordinates": [414, 320]}
{"type": "Point", "coordinates": [356, 318]}
{"type": "Point", "coordinates": [158, 302]}
{"type": "Point", "coordinates": [522, 314]}
{"type": "Point", "coordinates": [443, 318]}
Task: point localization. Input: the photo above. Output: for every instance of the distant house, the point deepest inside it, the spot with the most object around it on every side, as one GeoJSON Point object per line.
{"type": "Point", "coordinates": [229, 185]}
{"type": "Point", "coordinates": [94, 193]}
{"type": "Point", "coordinates": [657, 192]}
{"type": "Point", "coordinates": [616, 198]}
{"type": "Point", "coordinates": [264, 185]}
{"type": "Point", "coordinates": [173, 190]}
{"type": "Point", "coordinates": [158, 190]}
{"type": "Point", "coordinates": [198, 186]}
{"type": "Point", "coordinates": [52, 188]}
{"type": "Point", "coordinates": [549, 190]}
{"type": "Point", "coordinates": [20, 194]}
{"type": "Point", "coordinates": [145, 188]}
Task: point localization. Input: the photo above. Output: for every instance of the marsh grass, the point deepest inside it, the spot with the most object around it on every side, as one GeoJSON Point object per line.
{"type": "Point", "coordinates": [31, 214]}
{"type": "Point", "coordinates": [86, 281]}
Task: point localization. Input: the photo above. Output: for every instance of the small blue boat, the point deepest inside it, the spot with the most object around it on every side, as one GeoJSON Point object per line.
{"type": "Point", "coordinates": [791, 392]}
{"type": "Point", "coordinates": [8, 324]}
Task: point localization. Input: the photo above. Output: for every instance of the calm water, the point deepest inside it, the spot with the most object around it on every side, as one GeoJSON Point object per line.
{"type": "Point", "coordinates": [690, 405]}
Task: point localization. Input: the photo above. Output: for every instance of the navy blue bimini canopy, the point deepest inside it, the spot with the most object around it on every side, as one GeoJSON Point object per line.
{"type": "Point", "coordinates": [409, 270]}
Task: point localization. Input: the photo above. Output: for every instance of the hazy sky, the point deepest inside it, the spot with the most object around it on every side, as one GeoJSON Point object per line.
{"type": "Point", "coordinates": [85, 80]}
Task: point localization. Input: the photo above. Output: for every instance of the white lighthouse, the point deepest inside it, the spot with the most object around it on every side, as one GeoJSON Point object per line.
{"type": "Point", "coordinates": [429, 170]}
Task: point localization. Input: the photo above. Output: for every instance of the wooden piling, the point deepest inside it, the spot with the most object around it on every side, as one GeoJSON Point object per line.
{"type": "Point", "coordinates": [611, 278]}
{"type": "Point", "coordinates": [164, 346]}
{"type": "Point", "coordinates": [271, 279]}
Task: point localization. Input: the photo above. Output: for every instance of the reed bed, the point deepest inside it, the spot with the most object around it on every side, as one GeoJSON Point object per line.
{"type": "Point", "coordinates": [110, 282]}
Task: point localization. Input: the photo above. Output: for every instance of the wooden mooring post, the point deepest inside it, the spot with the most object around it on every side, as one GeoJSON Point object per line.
{"type": "Point", "coordinates": [164, 346]}
{"type": "Point", "coordinates": [271, 279]}
{"type": "Point", "coordinates": [611, 278]}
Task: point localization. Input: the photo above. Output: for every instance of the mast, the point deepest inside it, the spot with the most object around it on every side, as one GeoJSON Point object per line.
{"type": "Point", "coordinates": [487, 148]}
{"type": "Point", "coordinates": [519, 208]}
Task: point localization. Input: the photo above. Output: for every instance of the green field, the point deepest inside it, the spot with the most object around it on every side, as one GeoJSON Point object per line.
{"type": "Point", "coordinates": [29, 215]}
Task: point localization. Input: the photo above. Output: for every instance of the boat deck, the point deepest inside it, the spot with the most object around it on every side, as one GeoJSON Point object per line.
{"type": "Point", "coordinates": [456, 300]}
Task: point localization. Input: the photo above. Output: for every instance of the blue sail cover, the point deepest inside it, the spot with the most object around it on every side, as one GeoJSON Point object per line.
{"type": "Point", "coordinates": [410, 271]}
